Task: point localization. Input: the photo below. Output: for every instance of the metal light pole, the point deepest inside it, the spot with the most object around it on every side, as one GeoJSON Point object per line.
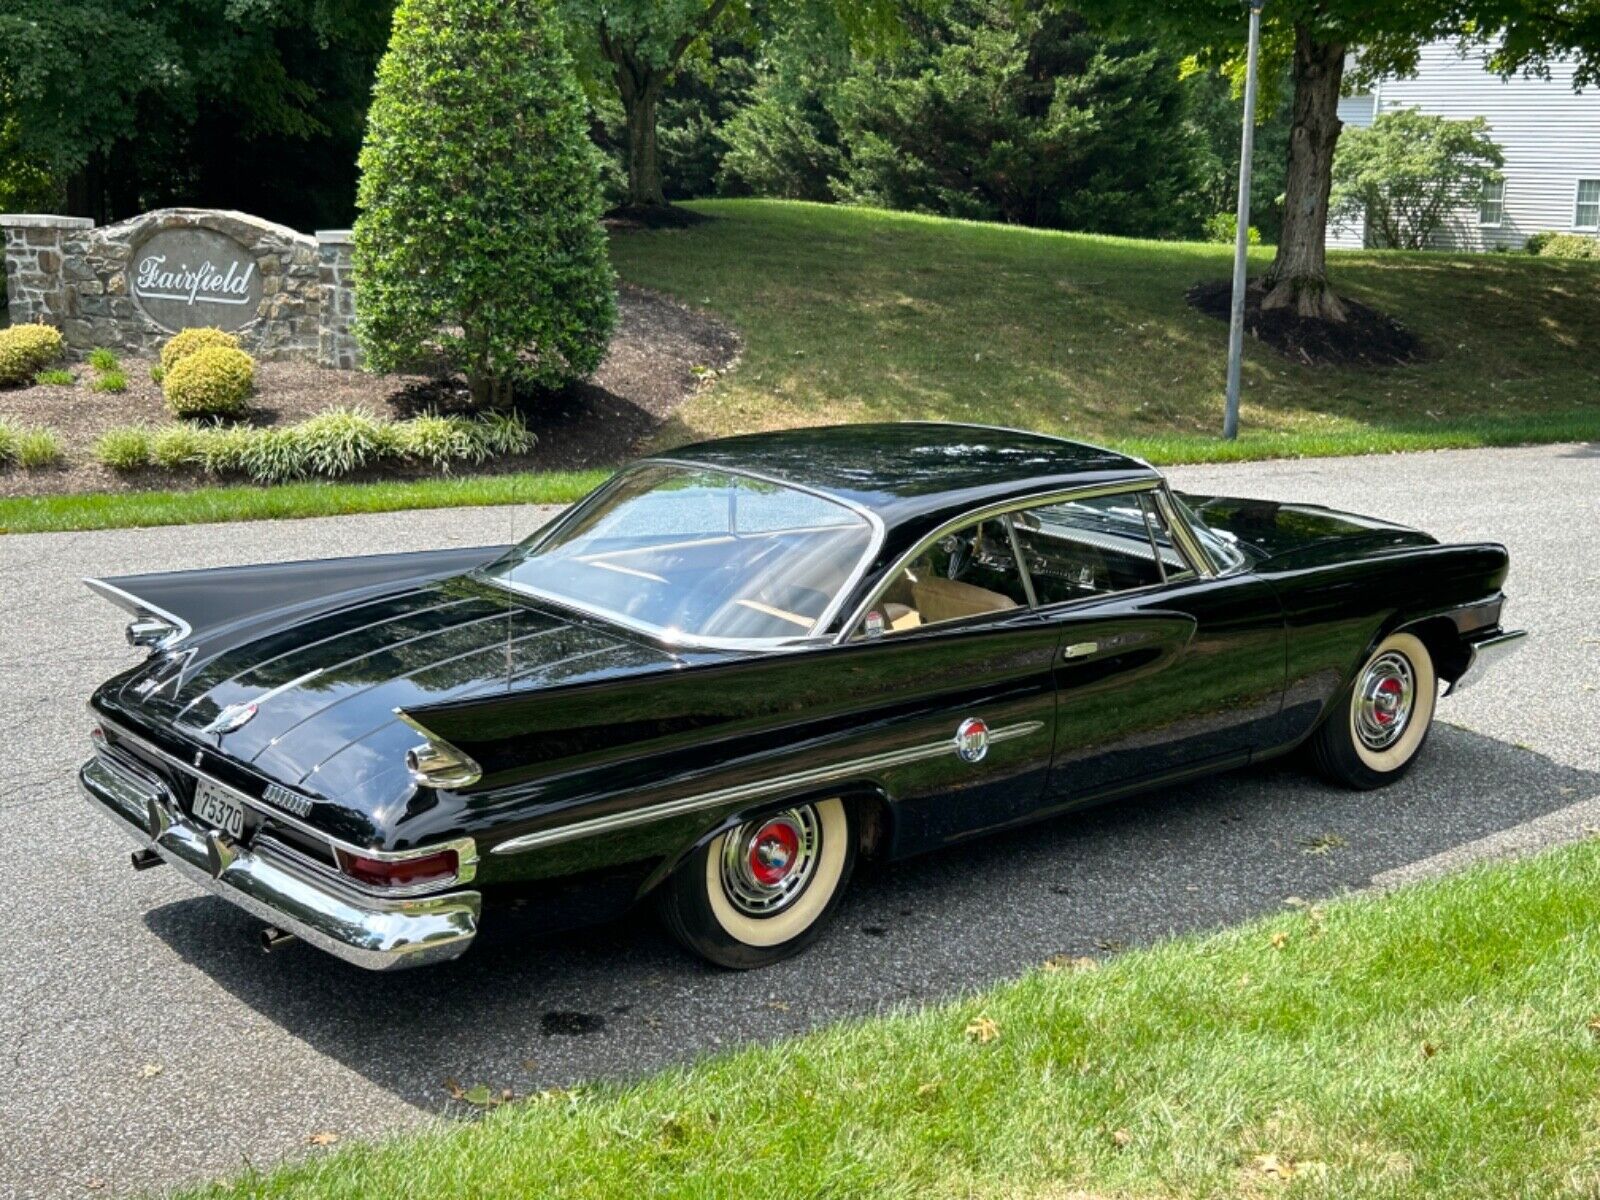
{"type": "Point", "coordinates": [1241, 241]}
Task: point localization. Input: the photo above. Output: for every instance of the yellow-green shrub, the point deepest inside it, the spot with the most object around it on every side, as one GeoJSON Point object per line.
{"type": "Point", "coordinates": [181, 345]}
{"type": "Point", "coordinates": [25, 350]}
{"type": "Point", "coordinates": [213, 382]}
{"type": "Point", "coordinates": [1569, 245]}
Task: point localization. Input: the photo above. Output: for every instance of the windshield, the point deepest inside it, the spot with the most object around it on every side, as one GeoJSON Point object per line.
{"type": "Point", "coordinates": [688, 551]}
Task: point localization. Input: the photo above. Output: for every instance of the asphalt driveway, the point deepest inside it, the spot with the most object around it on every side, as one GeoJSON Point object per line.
{"type": "Point", "coordinates": [145, 1041]}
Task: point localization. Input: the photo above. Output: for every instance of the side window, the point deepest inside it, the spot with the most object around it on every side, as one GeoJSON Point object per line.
{"type": "Point", "coordinates": [964, 574]}
{"type": "Point", "coordinates": [1082, 548]}
{"type": "Point", "coordinates": [1172, 560]}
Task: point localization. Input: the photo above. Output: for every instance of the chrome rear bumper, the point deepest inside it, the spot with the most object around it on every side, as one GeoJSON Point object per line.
{"type": "Point", "coordinates": [1483, 654]}
{"type": "Point", "coordinates": [378, 934]}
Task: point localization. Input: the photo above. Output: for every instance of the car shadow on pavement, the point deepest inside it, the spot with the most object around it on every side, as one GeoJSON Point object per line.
{"type": "Point", "coordinates": [525, 1012]}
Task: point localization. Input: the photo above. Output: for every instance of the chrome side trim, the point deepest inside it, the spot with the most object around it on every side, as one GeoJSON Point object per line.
{"type": "Point", "coordinates": [795, 782]}
{"type": "Point", "coordinates": [1485, 654]}
{"type": "Point", "coordinates": [130, 603]}
{"type": "Point", "coordinates": [375, 934]}
{"type": "Point", "coordinates": [466, 848]}
{"type": "Point", "coordinates": [997, 509]}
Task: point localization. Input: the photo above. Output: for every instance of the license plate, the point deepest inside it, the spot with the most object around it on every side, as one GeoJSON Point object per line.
{"type": "Point", "coordinates": [214, 807]}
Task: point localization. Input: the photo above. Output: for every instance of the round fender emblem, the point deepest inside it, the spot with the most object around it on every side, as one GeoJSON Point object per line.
{"type": "Point", "coordinates": [972, 740]}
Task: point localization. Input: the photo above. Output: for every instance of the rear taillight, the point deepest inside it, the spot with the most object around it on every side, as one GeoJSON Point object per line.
{"type": "Point", "coordinates": [439, 867]}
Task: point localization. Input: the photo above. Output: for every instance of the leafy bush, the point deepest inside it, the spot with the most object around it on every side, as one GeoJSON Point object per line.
{"type": "Point", "coordinates": [109, 381]}
{"type": "Point", "coordinates": [158, 373]}
{"type": "Point", "coordinates": [102, 359]}
{"type": "Point", "coordinates": [1224, 227]}
{"type": "Point", "coordinates": [478, 239]}
{"type": "Point", "coordinates": [55, 377]}
{"type": "Point", "coordinates": [1569, 245]}
{"type": "Point", "coordinates": [1408, 172]}
{"type": "Point", "coordinates": [211, 382]}
{"type": "Point", "coordinates": [25, 350]}
{"type": "Point", "coordinates": [124, 449]}
{"type": "Point", "coordinates": [183, 344]}
{"type": "Point", "coordinates": [328, 445]}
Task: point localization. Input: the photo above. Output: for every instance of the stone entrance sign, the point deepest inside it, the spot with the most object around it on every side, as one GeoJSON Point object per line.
{"type": "Point", "coordinates": [131, 286]}
{"type": "Point", "coordinates": [187, 277]}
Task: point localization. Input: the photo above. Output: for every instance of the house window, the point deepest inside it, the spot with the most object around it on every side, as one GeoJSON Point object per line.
{"type": "Point", "coordinates": [1492, 206]}
{"type": "Point", "coordinates": [1587, 215]}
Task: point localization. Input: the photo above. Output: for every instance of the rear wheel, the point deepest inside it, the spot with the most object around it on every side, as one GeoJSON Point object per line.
{"type": "Point", "coordinates": [763, 890]}
{"type": "Point", "coordinates": [1377, 730]}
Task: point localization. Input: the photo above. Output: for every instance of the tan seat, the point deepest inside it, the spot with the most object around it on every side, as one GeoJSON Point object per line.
{"type": "Point", "coordinates": [946, 599]}
{"type": "Point", "coordinates": [902, 616]}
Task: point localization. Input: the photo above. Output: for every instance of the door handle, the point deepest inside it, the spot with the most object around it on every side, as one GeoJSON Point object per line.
{"type": "Point", "coordinates": [1080, 649]}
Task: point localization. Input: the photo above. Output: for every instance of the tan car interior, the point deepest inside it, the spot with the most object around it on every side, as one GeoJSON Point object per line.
{"type": "Point", "coordinates": [920, 597]}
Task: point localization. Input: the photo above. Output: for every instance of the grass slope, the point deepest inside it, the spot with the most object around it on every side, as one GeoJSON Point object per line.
{"type": "Point", "coordinates": [1438, 1041]}
{"type": "Point", "coordinates": [857, 314]}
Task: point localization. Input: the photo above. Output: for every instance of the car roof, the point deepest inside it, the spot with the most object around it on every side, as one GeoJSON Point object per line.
{"type": "Point", "coordinates": [917, 473]}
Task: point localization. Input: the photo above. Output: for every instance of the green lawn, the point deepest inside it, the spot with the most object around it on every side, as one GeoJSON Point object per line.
{"type": "Point", "coordinates": [1438, 1041]}
{"type": "Point", "coordinates": [856, 314]}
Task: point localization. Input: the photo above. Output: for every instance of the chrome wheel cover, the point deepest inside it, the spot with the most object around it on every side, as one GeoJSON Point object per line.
{"type": "Point", "coordinates": [767, 864]}
{"type": "Point", "coordinates": [1384, 700]}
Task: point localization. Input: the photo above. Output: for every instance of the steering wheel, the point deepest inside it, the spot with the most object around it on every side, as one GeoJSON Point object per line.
{"type": "Point", "coordinates": [961, 552]}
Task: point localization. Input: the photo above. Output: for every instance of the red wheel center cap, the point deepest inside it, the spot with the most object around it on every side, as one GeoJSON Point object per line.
{"type": "Point", "coordinates": [1386, 701]}
{"type": "Point", "coordinates": [772, 853]}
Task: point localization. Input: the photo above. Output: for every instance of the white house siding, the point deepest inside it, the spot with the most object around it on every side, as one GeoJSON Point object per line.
{"type": "Point", "coordinates": [1550, 136]}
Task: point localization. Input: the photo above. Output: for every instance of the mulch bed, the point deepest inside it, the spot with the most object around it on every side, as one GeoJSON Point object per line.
{"type": "Point", "coordinates": [1365, 338]}
{"type": "Point", "coordinates": [661, 354]}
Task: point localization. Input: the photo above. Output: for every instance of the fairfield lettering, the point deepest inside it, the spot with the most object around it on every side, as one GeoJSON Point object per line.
{"type": "Point", "coordinates": [207, 283]}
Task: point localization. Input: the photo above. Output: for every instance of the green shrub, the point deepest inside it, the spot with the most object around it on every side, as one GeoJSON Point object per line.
{"type": "Point", "coordinates": [55, 377]}
{"type": "Point", "coordinates": [440, 440]}
{"type": "Point", "coordinates": [109, 381]}
{"type": "Point", "coordinates": [1536, 241]}
{"type": "Point", "coordinates": [175, 446]}
{"type": "Point", "coordinates": [327, 446]}
{"type": "Point", "coordinates": [8, 442]}
{"type": "Point", "coordinates": [478, 238]}
{"type": "Point", "coordinates": [211, 382]}
{"type": "Point", "coordinates": [158, 373]}
{"type": "Point", "coordinates": [183, 344]}
{"type": "Point", "coordinates": [102, 359]}
{"type": "Point", "coordinates": [38, 447]}
{"type": "Point", "coordinates": [1570, 245]}
{"type": "Point", "coordinates": [124, 449]}
{"type": "Point", "coordinates": [1224, 227]}
{"type": "Point", "coordinates": [25, 350]}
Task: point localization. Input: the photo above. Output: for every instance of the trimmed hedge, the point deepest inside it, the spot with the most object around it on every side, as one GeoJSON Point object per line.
{"type": "Point", "coordinates": [183, 344]}
{"type": "Point", "coordinates": [327, 446]}
{"type": "Point", "coordinates": [214, 381]}
{"type": "Point", "coordinates": [25, 350]}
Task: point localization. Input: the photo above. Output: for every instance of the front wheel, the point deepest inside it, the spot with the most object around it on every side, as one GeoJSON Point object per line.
{"type": "Point", "coordinates": [1377, 730]}
{"type": "Point", "coordinates": [763, 890]}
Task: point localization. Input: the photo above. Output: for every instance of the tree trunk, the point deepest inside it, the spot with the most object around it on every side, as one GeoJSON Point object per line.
{"type": "Point", "coordinates": [1298, 278]}
{"type": "Point", "coordinates": [644, 157]}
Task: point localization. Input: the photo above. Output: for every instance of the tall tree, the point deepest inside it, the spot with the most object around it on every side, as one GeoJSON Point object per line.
{"type": "Point", "coordinates": [122, 103]}
{"type": "Point", "coordinates": [638, 45]}
{"type": "Point", "coordinates": [1318, 37]}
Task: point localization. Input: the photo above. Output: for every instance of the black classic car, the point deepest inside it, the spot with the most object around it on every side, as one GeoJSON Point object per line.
{"type": "Point", "coordinates": [732, 671]}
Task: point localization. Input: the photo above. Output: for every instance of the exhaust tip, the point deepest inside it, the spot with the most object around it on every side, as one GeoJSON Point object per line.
{"type": "Point", "coordinates": [273, 938]}
{"type": "Point", "coordinates": [143, 860]}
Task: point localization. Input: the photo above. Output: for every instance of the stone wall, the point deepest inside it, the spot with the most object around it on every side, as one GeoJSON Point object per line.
{"type": "Point", "coordinates": [132, 285]}
{"type": "Point", "coordinates": [336, 343]}
{"type": "Point", "coordinates": [36, 258]}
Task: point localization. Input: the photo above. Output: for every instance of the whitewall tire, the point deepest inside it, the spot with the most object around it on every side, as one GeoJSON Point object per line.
{"type": "Point", "coordinates": [1381, 721]}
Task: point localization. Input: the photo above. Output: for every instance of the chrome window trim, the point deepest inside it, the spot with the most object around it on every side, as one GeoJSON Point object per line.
{"type": "Point", "coordinates": [130, 603]}
{"type": "Point", "coordinates": [997, 509]}
{"type": "Point", "coordinates": [673, 638]}
{"type": "Point", "coordinates": [795, 782]}
{"type": "Point", "coordinates": [1022, 567]}
{"type": "Point", "coordinates": [1183, 537]}
{"type": "Point", "coordinates": [465, 847]}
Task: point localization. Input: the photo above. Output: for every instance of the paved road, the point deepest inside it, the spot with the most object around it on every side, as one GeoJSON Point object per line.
{"type": "Point", "coordinates": [145, 1041]}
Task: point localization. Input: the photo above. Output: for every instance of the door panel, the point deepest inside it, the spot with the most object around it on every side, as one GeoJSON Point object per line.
{"type": "Point", "coordinates": [1181, 676]}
